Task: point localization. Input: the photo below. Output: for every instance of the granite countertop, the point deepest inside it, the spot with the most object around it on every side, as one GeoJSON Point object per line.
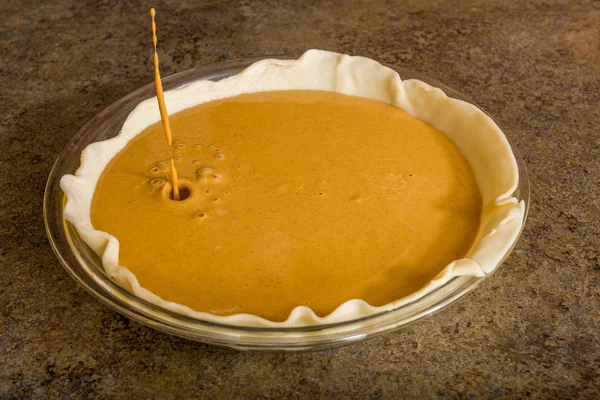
{"type": "Point", "coordinates": [531, 330]}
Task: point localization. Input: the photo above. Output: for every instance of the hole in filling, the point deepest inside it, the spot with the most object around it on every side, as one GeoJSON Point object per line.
{"type": "Point", "coordinates": [184, 191]}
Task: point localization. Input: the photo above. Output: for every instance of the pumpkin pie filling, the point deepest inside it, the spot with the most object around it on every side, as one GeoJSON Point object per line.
{"type": "Point", "coordinates": [289, 198]}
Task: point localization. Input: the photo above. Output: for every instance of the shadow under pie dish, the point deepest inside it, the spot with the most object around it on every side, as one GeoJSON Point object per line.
{"type": "Point", "coordinates": [497, 172]}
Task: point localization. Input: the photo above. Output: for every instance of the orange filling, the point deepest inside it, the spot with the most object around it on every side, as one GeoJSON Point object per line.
{"type": "Point", "coordinates": [290, 198]}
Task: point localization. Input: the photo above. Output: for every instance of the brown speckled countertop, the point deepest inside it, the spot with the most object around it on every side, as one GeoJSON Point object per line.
{"type": "Point", "coordinates": [531, 330]}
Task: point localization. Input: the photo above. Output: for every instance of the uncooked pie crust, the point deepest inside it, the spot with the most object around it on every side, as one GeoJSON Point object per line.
{"type": "Point", "coordinates": [476, 135]}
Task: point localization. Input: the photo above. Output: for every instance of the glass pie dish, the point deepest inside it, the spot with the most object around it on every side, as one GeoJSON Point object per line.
{"type": "Point", "coordinates": [86, 267]}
